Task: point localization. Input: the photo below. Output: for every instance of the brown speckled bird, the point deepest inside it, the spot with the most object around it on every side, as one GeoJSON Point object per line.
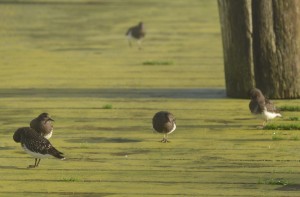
{"type": "Point", "coordinates": [35, 145]}
{"type": "Point", "coordinates": [43, 125]}
{"type": "Point", "coordinates": [136, 32]}
{"type": "Point", "coordinates": [263, 107]}
{"type": "Point", "coordinates": [164, 122]}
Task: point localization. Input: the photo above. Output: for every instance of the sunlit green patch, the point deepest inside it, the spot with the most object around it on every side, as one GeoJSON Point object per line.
{"type": "Point", "coordinates": [273, 181]}
{"type": "Point", "coordinates": [156, 63]}
{"type": "Point", "coordinates": [289, 108]}
{"type": "Point", "coordinates": [107, 106]}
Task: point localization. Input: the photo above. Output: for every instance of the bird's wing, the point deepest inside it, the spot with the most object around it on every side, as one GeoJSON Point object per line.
{"type": "Point", "coordinates": [36, 143]}
{"type": "Point", "coordinates": [271, 107]}
{"type": "Point", "coordinates": [256, 107]}
{"type": "Point", "coordinates": [171, 118]}
{"type": "Point", "coordinates": [34, 124]}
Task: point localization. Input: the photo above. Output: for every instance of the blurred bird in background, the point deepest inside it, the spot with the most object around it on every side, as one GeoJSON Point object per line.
{"type": "Point", "coordinates": [262, 107]}
{"type": "Point", "coordinates": [136, 32]}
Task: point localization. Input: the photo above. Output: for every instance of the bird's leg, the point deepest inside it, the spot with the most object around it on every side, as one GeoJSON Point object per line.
{"type": "Point", "coordinates": [139, 42]}
{"type": "Point", "coordinates": [263, 124]}
{"type": "Point", "coordinates": [37, 163]}
{"type": "Point", "coordinates": [33, 166]}
{"type": "Point", "coordinates": [129, 42]}
{"type": "Point", "coordinates": [165, 139]}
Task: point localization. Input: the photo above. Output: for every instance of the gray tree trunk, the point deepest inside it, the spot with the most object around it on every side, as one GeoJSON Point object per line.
{"type": "Point", "coordinates": [236, 27]}
{"type": "Point", "coordinates": [276, 47]}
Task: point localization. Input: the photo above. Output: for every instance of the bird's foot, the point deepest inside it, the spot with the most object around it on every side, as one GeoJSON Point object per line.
{"type": "Point", "coordinates": [260, 127]}
{"type": "Point", "coordinates": [32, 166]}
{"type": "Point", "coordinates": [164, 140]}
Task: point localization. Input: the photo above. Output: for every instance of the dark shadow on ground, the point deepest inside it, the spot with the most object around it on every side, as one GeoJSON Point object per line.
{"type": "Point", "coordinates": [7, 148]}
{"type": "Point", "coordinates": [103, 140]}
{"type": "Point", "coordinates": [11, 167]}
{"type": "Point", "coordinates": [81, 194]}
{"type": "Point", "coordinates": [201, 93]}
{"type": "Point", "coordinates": [291, 187]}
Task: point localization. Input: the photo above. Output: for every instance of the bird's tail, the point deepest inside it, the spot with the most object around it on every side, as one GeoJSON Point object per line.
{"type": "Point", "coordinates": [128, 32]}
{"type": "Point", "coordinates": [18, 133]}
{"type": "Point", "coordinates": [271, 115]}
{"type": "Point", "coordinates": [55, 153]}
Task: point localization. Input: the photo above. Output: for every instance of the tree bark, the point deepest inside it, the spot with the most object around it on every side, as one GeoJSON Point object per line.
{"type": "Point", "coordinates": [276, 42]}
{"type": "Point", "coordinates": [236, 28]}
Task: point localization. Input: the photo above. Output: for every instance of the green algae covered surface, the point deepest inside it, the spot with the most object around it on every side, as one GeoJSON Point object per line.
{"type": "Point", "coordinates": [72, 60]}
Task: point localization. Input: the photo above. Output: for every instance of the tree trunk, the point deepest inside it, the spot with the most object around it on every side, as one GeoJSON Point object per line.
{"type": "Point", "coordinates": [236, 27]}
{"type": "Point", "coordinates": [276, 42]}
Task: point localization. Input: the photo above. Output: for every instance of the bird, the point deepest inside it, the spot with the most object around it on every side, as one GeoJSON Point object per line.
{"type": "Point", "coordinates": [43, 125]}
{"type": "Point", "coordinates": [259, 105]}
{"type": "Point", "coordinates": [164, 122]}
{"type": "Point", "coordinates": [35, 145]}
{"type": "Point", "coordinates": [136, 32]}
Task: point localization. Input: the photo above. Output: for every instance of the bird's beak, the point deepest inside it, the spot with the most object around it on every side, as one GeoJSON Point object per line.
{"type": "Point", "coordinates": [51, 119]}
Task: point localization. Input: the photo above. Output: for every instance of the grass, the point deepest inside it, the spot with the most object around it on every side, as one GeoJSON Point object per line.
{"type": "Point", "coordinates": [282, 127]}
{"type": "Point", "coordinates": [294, 118]}
{"type": "Point", "coordinates": [274, 181]}
{"type": "Point", "coordinates": [278, 137]}
{"type": "Point", "coordinates": [295, 138]}
{"type": "Point", "coordinates": [157, 63]}
{"type": "Point", "coordinates": [107, 106]}
{"type": "Point", "coordinates": [289, 108]}
{"type": "Point", "coordinates": [54, 61]}
{"type": "Point", "coordinates": [70, 179]}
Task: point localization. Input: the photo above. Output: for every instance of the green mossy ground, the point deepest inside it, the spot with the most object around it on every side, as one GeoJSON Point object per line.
{"type": "Point", "coordinates": [73, 61]}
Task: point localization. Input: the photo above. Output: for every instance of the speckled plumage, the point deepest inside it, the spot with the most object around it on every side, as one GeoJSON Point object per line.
{"type": "Point", "coordinates": [35, 144]}
{"type": "Point", "coordinates": [164, 122]}
{"type": "Point", "coordinates": [43, 125]}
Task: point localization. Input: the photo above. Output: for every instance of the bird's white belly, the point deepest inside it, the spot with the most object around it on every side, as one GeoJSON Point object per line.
{"type": "Point", "coordinates": [35, 154]}
{"type": "Point", "coordinates": [174, 127]}
{"type": "Point", "coordinates": [49, 135]}
{"type": "Point", "coordinates": [129, 36]}
{"type": "Point", "coordinates": [270, 115]}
